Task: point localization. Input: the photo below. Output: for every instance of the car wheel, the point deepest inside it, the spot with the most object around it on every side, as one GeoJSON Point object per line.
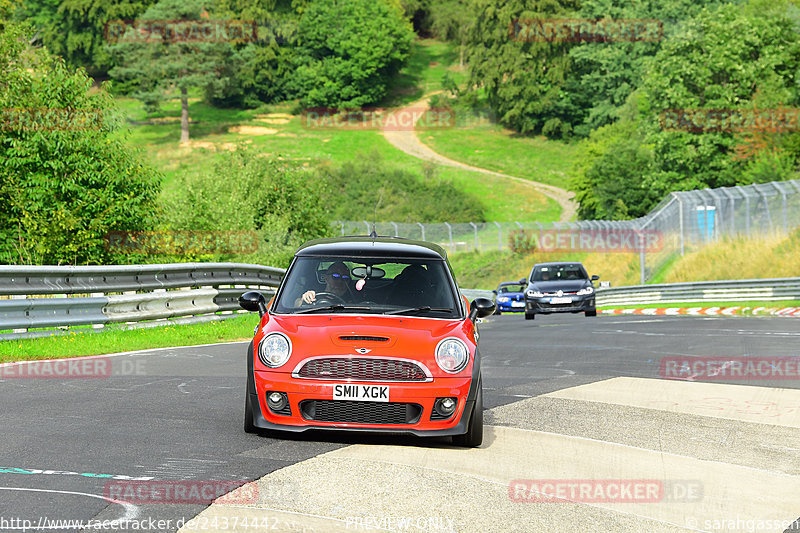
{"type": "Point", "coordinates": [249, 427]}
{"type": "Point", "coordinates": [591, 313]}
{"type": "Point", "coordinates": [474, 435]}
{"type": "Point", "coordinates": [530, 316]}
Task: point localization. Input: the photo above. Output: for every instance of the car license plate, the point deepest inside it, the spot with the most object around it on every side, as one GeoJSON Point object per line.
{"type": "Point", "coordinates": [517, 304]}
{"type": "Point", "coordinates": [361, 393]}
{"type": "Point", "coordinates": [560, 300]}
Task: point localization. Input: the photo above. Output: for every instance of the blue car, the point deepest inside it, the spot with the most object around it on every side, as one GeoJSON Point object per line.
{"type": "Point", "coordinates": [510, 296]}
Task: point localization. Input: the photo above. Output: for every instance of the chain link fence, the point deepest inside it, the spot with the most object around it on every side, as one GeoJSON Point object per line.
{"type": "Point", "coordinates": [684, 220]}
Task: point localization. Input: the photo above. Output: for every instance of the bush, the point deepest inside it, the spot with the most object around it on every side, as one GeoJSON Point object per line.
{"type": "Point", "coordinates": [522, 241]}
{"type": "Point", "coordinates": [244, 192]}
{"type": "Point", "coordinates": [66, 177]}
{"type": "Point", "coordinates": [405, 197]}
{"type": "Point", "coordinates": [348, 51]}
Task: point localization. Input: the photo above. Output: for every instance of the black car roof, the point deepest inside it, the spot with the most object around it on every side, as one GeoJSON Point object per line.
{"type": "Point", "coordinates": [554, 263]}
{"type": "Point", "coordinates": [366, 246]}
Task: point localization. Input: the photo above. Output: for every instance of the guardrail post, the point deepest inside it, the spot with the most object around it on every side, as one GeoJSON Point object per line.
{"type": "Point", "coordinates": [680, 217]}
{"type": "Point", "coordinates": [97, 295]}
{"type": "Point", "coordinates": [476, 234]}
{"type": "Point", "coordinates": [19, 297]}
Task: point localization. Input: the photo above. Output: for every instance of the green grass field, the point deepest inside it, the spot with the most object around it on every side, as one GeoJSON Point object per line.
{"type": "Point", "coordinates": [488, 145]}
{"type": "Point", "coordinates": [113, 339]}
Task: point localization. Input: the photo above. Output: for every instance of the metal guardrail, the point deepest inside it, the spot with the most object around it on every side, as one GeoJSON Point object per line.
{"type": "Point", "coordinates": [33, 297]}
{"type": "Point", "coordinates": [53, 296]}
{"type": "Point", "coordinates": [775, 289]}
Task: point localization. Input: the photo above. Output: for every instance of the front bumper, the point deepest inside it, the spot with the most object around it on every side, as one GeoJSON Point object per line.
{"type": "Point", "coordinates": [414, 393]}
{"type": "Point", "coordinates": [543, 305]}
{"type": "Point", "coordinates": [509, 307]}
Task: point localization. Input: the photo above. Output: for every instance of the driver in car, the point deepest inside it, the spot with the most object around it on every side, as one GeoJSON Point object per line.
{"type": "Point", "coordinates": [337, 282]}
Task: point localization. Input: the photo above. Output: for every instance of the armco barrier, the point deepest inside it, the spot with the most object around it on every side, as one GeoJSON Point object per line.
{"type": "Point", "coordinates": [34, 297]}
{"type": "Point", "coordinates": [775, 289]}
{"type": "Point", "coordinates": [53, 296]}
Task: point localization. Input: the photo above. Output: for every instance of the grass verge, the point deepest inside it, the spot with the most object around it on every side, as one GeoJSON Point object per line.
{"type": "Point", "coordinates": [115, 339]}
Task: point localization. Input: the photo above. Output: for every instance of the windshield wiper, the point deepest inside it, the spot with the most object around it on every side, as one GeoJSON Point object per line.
{"type": "Point", "coordinates": [422, 308]}
{"type": "Point", "coordinates": [334, 307]}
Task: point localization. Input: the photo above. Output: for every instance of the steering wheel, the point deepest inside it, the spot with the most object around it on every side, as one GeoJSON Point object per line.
{"type": "Point", "coordinates": [329, 297]}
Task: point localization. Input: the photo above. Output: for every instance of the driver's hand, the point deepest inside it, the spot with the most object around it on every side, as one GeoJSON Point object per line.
{"type": "Point", "coordinates": [309, 297]}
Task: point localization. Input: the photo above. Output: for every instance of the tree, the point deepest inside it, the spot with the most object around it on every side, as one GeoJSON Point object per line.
{"type": "Point", "coordinates": [75, 29]}
{"type": "Point", "coordinates": [731, 59]}
{"type": "Point", "coordinates": [259, 71]}
{"type": "Point", "coordinates": [273, 198]}
{"type": "Point", "coordinates": [450, 20]}
{"type": "Point", "coordinates": [66, 177]}
{"type": "Point", "coordinates": [163, 60]}
{"type": "Point", "coordinates": [347, 51]}
{"type": "Point", "coordinates": [523, 79]}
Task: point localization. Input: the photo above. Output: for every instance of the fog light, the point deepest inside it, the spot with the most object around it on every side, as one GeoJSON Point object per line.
{"type": "Point", "coordinates": [276, 401]}
{"type": "Point", "coordinates": [446, 406]}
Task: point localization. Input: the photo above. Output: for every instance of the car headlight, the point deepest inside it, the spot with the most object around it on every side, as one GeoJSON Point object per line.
{"type": "Point", "coordinates": [452, 355]}
{"type": "Point", "coordinates": [535, 294]}
{"type": "Point", "coordinates": [586, 290]}
{"type": "Point", "coordinates": [503, 299]}
{"type": "Point", "coordinates": [274, 350]}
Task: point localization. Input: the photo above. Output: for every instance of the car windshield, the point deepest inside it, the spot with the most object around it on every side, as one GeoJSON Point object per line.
{"type": "Point", "coordinates": [511, 288]}
{"type": "Point", "coordinates": [559, 273]}
{"type": "Point", "coordinates": [418, 287]}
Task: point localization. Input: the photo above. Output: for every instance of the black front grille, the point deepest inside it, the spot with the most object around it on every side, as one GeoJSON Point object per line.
{"type": "Point", "coordinates": [367, 338]}
{"type": "Point", "coordinates": [362, 369]}
{"type": "Point", "coordinates": [360, 412]}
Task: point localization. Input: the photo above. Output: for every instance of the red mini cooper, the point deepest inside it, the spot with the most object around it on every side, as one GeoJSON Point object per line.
{"type": "Point", "coordinates": [367, 334]}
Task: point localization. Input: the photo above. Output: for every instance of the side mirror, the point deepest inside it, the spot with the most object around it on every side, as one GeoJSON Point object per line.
{"type": "Point", "coordinates": [523, 281]}
{"type": "Point", "coordinates": [253, 301]}
{"type": "Point", "coordinates": [595, 278]}
{"type": "Point", "coordinates": [494, 291]}
{"type": "Point", "coordinates": [480, 307]}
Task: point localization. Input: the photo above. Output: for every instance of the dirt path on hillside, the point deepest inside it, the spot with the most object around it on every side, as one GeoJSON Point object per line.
{"type": "Point", "coordinates": [407, 141]}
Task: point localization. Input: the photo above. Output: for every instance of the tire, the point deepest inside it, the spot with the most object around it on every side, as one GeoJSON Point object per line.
{"type": "Point", "coordinates": [593, 312]}
{"type": "Point", "coordinates": [474, 435]}
{"type": "Point", "coordinates": [530, 316]}
{"type": "Point", "coordinates": [249, 427]}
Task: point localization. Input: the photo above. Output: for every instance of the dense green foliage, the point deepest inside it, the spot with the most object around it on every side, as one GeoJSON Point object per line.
{"type": "Point", "coordinates": [347, 51]}
{"type": "Point", "coordinates": [724, 59]}
{"type": "Point", "coordinates": [277, 201]}
{"type": "Point", "coordinates": [399, 195]}
{"type": "Point", "coordinates": [75, 29]}
{"type": "Point", "coordinates": [65, 178]}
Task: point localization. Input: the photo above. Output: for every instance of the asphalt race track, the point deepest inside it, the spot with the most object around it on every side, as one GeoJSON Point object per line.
{"type": "Point", "coordinates": [567, 398]}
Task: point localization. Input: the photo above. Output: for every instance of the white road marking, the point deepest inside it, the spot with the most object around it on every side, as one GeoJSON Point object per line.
{"type": "Point", "coordinates": [131, 510]}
